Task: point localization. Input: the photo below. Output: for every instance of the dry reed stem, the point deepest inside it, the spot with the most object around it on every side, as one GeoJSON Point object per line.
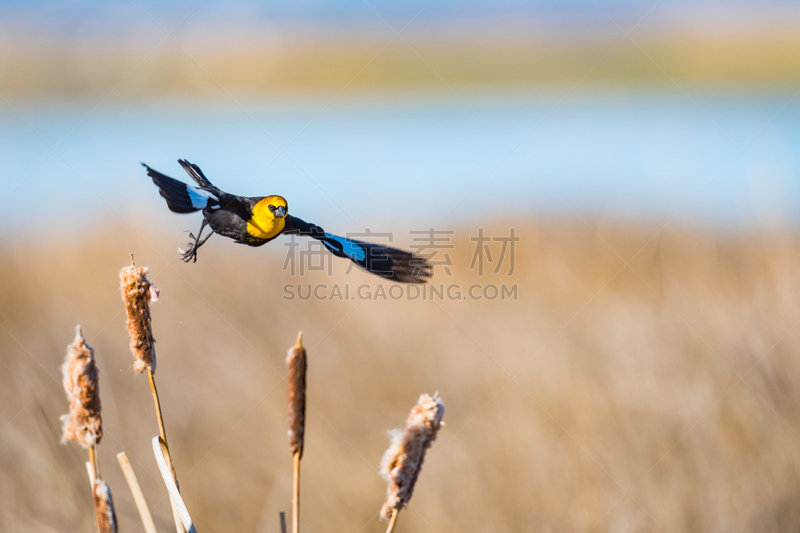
{"type": "Point", "coordinates": [105, 517]}
{"type": "Point", "coordinates": [84, 422]}
{"type": "Point", "coordinates": [137, 293]}
{"type": "Point", "coordinates": [162, 431]}
{"type": "Point", "coordinates": [393, 521]}
{"type": "Point", "coordinates": [93, 462]}
{"type": "Point", "coordinates": [296, 494]}
{"type": "Point", "coordinates": [90, 471]}
{"type": "Point", "coordinates": [136, 491]}
{"type": "Point", "coordinates": [402, 461]}
{"type": "Point", "coordinates": [168, 458]}
{"type": "Point", "coordinates": [178, 505]}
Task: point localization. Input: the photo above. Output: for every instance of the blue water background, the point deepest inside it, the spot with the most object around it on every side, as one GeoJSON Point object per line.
{"type": "Point", "coordinates": [723, 159]}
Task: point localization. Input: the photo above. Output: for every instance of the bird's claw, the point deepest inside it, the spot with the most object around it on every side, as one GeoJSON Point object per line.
{"type": "Point", "coordinates": [190, 254]}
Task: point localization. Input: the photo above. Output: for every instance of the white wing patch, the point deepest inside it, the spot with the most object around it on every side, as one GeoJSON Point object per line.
{"type": "Point", "coordinates": [199, 197]}
{"type": "Point", "coordinates": [353, 250]}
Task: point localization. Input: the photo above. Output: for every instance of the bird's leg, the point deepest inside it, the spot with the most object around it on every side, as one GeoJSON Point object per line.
{"type": "Point", "coordinates": [201, 243]}
{"type": "Point", "coordinates": [191, 253]}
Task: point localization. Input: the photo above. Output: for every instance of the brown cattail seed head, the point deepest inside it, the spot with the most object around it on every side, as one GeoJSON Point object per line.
{"type": "Point", "coordinates": [83, 423]}
{"type": "Point", "coordinates": [137, 293]}
{"type": "Point", "coordinates": [402, 462]}
{"type": "Point", "coordinates": [104, 508]}
{"type": "Point", "coordinates": [296, 361]}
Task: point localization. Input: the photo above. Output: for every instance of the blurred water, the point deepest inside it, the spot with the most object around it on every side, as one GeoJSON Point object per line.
{"type": "Point", "coordinates": [723, 159]}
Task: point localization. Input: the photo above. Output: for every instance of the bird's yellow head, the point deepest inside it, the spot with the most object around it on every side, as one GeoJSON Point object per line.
{"type": "Point", "coordinates": [268, 218]}
{"type": "Point", "coordinates": [274, 205]}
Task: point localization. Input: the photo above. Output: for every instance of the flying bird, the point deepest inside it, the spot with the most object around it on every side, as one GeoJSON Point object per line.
{"type": "Point", "coordinates": [255, 221]}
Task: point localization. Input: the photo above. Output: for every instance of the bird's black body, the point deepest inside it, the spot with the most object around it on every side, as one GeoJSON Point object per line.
{"type": "Point", "coordinates": [255, 221]}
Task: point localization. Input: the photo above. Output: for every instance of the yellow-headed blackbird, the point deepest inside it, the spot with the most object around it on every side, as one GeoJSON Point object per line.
{"type": "Point", "coordinates": [257, 220]}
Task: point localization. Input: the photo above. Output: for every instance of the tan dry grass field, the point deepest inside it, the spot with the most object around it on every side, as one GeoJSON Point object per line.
{"type": "Point", "coordinates": [643, 381]}
{"type": "Point", "coordinates": [38, 68]}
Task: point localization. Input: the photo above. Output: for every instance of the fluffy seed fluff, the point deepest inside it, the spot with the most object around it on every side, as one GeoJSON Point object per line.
{"type": "Point", "coordinates": [402, 462]}
{"type": "Point", "coordinates": [296, 361]}
{"type": "Point", "coordinates": [83, 423]}
{"type": "Point", "coordinates": [104, 508]}
{"type": "Point", "coordinates": [137, 293]}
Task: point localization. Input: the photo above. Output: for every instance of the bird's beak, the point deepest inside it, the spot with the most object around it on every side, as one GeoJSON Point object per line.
{"type": "Point", "coordinates": [280, 212]}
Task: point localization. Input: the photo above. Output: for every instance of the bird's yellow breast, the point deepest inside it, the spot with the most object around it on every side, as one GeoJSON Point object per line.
{"type": "Point", "coordinates": [263, 224]}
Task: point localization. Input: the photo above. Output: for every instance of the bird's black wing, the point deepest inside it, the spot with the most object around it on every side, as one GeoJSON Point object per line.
{"type": "Point", "coordinates": [180, 197]}
{"type": "Point", "coordinates": [197, 175]}
{"type": "Point", "coordinates": [242, 205]}
{"type": "Point", "coordinates": [389, 263]}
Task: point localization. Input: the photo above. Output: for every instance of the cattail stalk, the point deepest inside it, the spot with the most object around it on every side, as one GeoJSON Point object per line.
{"type": "Point", "coordinates": [296, 493]}
{"type": "Point", "coordinates": [179, 507]}
{"type": "Point", "coordinates": [393, 520]}
{"type": "Point", "coordinates": [162, 432]}
{"type": "Point", "coordinates": [296, 361]}
{"type": "Point", "coordinates": [137, 294]}
{"type": "Point", "coordinates": [136, 491]}
{"type": "Point", "coordinates": [90, 471]}
{"type": "Point", "coordinates": [93, 462]}
{"type": "Point", "coordinates": [402, 461]}
{"type": "Point", "coordinates": [282, 517]}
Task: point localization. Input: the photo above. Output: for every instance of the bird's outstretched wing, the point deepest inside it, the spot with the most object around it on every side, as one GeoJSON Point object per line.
{"type": "Point", "coordinates": [181, 198]}
{"type": "Point", "coordinates": [197, 175]}
{"type": "Point", "coordinates": [389, 263]}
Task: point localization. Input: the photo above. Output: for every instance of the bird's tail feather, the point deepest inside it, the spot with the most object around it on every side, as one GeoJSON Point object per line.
{"type": "Point", "coordinates": [388, 263]}
{"type": "Point", "coordinates": [181, 198]}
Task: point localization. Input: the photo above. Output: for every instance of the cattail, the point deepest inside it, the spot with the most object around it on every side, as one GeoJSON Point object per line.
{"type": "Point", "coordinates": [84, 423]}
{"type": "Point", "coordinates": [402, 462]}
{"type": "Point", "coordinates": [137, 293]}
{"type": "Point", "coordinates": [296, 361]}
{"type": "Point", "coordinates": [104, 508]}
